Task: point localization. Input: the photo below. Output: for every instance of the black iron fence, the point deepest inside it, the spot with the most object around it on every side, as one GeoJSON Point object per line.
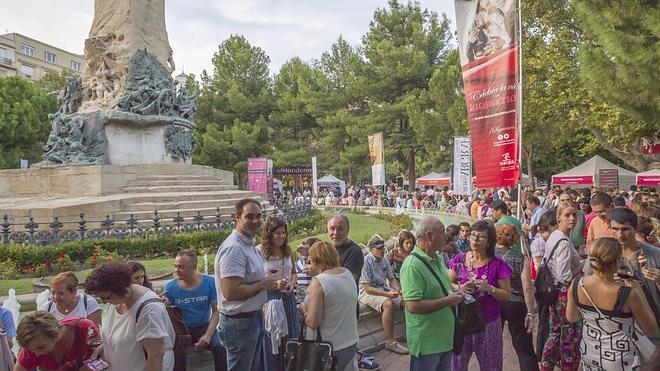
{"type": "Point", "coordinates": [58, 231]}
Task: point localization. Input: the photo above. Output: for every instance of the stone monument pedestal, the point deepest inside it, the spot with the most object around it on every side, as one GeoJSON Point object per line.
{"type": "Point", "coordinates": [147, 139]}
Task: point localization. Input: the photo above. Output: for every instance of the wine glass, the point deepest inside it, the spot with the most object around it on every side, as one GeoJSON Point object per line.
{"type": "Point", "coordinates": [624, 271]}
{"type": "Point", "coordinates": [94, 339]}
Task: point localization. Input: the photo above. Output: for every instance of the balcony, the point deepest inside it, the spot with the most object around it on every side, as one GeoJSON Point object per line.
{"type": "Point", "coordinates": [6, 61]}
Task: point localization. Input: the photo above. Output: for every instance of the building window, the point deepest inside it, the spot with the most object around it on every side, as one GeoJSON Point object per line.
{"type": "Point", "coordinates": [75, 66]}
{"type": "Point", "coordinates": [27, 50]}
{"type": "Point", "coordinates": [27, 71]}
{"type": "Point", "coordinates": [50, 57]}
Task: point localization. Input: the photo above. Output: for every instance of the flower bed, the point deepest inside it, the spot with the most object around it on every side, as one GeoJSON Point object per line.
{"type": "Point", "coordinates": [23, 260]}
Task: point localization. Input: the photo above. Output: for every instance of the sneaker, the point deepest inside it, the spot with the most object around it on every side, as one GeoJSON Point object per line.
{"type": "Point", "coordinates": [366, 364]}
{"type": "Point", "coordinates": [362, 355]}
{"type": "Point", "coordinates": [396, 347]}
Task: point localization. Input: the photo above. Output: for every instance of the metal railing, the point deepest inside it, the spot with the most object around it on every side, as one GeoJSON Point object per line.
{"type": "Point", "coordinates": [57, 232]}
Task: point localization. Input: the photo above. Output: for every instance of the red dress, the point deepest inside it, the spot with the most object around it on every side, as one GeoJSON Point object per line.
{"type": "Point", "coordinates": [30, 361]}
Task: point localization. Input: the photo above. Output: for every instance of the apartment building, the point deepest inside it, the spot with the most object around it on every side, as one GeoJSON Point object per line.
{"type": "Point", "coordinates": [32, 59]}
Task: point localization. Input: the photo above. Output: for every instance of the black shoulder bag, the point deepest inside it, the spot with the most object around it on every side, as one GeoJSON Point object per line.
{"type": "Point", "coordinates": [469, 319]}
{"type": "Point", "coordinates": [308, 355]}
{"type": "Point", "coordinates": [546, 290]}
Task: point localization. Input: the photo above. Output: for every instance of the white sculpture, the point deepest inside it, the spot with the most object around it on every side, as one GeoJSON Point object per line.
{"type": "Point", "coordinates": [12, 305]}
{"type": "Point", "coordinates": [42, 298]}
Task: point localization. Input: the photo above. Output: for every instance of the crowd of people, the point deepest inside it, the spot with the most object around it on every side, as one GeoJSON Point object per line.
{"type": "Point", "coordinates": [581, 268]}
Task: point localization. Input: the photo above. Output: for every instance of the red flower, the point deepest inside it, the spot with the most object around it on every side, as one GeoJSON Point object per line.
{"type": "Point", "coordinates": [61, 255]}
{"type": "Point", "coordinates": [26, 267]}
{"type": "Point", "coordinates": [48, 264]}
{"type": "Point", "coordinates": [34, 269]}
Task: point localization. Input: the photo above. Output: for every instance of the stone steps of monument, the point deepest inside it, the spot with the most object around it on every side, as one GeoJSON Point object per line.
{"type": "Point", "coordinates": [144, 217]}
{"type": "Point", "coordinates": [179, 182]}
{"type": "Point", "coordinates": [178, 188]}
{"type": "Point", "coordinates": [204, 203]}
{"type": "Point", "coordinates": [187, 196]}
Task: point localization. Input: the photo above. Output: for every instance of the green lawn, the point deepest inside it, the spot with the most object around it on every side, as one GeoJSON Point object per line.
{"type": "Point", "coordinates": [154, 267]}
{"type": "Point", "coordinates": [362, 228]}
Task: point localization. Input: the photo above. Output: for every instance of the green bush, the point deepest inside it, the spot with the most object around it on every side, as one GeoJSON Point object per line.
{"type": "Point", "coordinates": [153, 246]}
{"type": "Point", "coordinates": [401, 221]}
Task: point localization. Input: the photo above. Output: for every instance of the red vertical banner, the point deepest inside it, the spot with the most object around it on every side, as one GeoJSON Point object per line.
{"type": "Point", "coordinates": [487, 31]}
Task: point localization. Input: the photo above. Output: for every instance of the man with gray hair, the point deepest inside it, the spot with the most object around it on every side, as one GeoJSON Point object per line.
{"type": "Point", "coordinates": [429, 300]}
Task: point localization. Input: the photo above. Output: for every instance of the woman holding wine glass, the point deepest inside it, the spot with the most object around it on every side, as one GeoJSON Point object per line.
{"type": "Point", "coordinates": [485, 277]}
{"type": "Point", "coordinates": [562, 345]}
{"type": "Point", "coordinates": [279, 262]}
{"type": "Point", "coordinates": [610, 309]}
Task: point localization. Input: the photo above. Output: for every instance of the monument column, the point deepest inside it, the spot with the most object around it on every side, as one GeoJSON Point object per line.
{"type": "Point", "coordinates": [126, 109]}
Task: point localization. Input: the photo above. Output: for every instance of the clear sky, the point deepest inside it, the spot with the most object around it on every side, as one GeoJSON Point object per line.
{"type": "Point", "coordinates": [283, 28]}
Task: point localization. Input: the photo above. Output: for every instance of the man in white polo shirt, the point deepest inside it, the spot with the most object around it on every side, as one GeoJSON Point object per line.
{"type": "Point", "coordinates": [241, 284]}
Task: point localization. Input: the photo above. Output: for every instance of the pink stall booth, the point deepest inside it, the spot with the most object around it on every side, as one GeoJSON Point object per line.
{"type": "Point", "coordinates": [649, 178]}
{"type": "Point", "coordinates": [598, 172]}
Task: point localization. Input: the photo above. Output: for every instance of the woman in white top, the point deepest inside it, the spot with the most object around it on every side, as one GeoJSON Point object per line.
{"type": "Point", "coordinates": [66, 302]}
{"type": "Point", "coordinates": [330, 304]}
{"type": "Point", "coordinates": [562, 346]}
{"type": "Point", "coordinates": [610, 310]}
{"type": "Point", "coordinates": [127, 338]}
{"type": "Point", "coordinates": [279, 262]}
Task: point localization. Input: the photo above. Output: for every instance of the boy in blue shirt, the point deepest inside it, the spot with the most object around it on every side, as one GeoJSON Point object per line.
{"type": "Point", "coordinates": [195, 294]}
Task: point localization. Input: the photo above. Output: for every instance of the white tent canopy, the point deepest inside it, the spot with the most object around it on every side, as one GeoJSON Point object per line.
{"type": "Point", "coordinates": [330, 181]}
{"type": "Point", "coordinates": [589, 173]}
{"type": "Point", "coordinates": [434, 179]}
{"type": "Point", "coordinates": [277, 184]}
{"type": "Point", "coordinates": [649, 178]}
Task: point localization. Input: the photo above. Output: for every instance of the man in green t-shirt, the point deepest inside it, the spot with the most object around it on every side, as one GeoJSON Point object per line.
{"type": "Point", "coordinates": [429, 316]}
{"type": "Point", "coordinates": [501, 216]}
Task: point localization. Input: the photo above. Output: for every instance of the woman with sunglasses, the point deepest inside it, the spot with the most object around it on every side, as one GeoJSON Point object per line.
{"type": "Point", "coordinates": [486, 277]}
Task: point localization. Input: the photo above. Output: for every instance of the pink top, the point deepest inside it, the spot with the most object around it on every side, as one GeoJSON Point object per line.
{"type": "Point", "coordinates": [496, 269]}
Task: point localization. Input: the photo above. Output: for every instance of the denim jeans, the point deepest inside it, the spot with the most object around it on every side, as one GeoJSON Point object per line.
{"type": "Point", "coordinates": [242, 338]}
{"type": "Point", "coordinates": [219, 353]}
{"type": "Point", "coordinates": [431, 362]}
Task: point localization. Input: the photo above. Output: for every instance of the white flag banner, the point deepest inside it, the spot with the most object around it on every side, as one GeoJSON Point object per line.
{"type": "Point", "coordinates": [462, 166]}
{"type": "Point", "coordinates": [315, 183]}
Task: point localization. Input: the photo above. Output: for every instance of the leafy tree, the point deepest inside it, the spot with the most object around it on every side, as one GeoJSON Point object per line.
{"type": "Point", "coordinates": [619, 66]}
{"type": "Point", "coordinates": [24, 123]}
{"type": "Point", "coordinates": [339, 108]}
{"type": "Point", "coordinates": [233, 107]}
{"type": "Point", "coordinates": [53, 82]}
{"type": "Point", "coordinates": [293, 125]}
{"type": "Point", "coordinates": [440, 114]}
{"type": "Point", "coordinates": [403, 47]}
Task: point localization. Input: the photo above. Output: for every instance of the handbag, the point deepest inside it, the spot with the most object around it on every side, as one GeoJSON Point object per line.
{"type": "Point", "coordinates": [309, 355]}
{"type": "Point", "coordinates": [546, 289]}
{"type": "Point", "coordinates": [644, 345]}
{"type": "Point", "coordinates": [468, 317]}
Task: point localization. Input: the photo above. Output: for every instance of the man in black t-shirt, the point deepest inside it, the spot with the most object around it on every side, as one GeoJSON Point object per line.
{"type": "Point", "coordinates": [350, 254]}
{"type": "Point", "coordinates": [351, 258]}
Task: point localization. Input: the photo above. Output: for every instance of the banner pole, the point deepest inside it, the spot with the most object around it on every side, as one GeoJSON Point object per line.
{"type": "Point", "coordinates": [519, 108]}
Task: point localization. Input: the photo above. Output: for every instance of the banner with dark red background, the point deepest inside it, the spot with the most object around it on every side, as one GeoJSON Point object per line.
{"type": "Point", "coordinates": [489, 59]}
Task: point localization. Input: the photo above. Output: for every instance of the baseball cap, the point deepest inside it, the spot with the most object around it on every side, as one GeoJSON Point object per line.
{"type": "Point", "coordinates": [376, 241]}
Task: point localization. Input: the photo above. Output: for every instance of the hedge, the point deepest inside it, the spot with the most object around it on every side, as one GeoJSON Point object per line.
{"type": "Point", "coordinates": [142, 247]}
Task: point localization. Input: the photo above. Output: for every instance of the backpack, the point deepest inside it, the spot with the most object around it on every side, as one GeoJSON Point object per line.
{"type": "Point", "coordinates": [182, 338]}
{"type": "Point", "coordinates": [50, 304]}
{"type": "Point", "coordinates": [546, 290]}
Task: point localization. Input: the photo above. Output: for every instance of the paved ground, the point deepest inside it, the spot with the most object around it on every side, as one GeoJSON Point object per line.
{"type": "Point", "coordinates": [394, 362]}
